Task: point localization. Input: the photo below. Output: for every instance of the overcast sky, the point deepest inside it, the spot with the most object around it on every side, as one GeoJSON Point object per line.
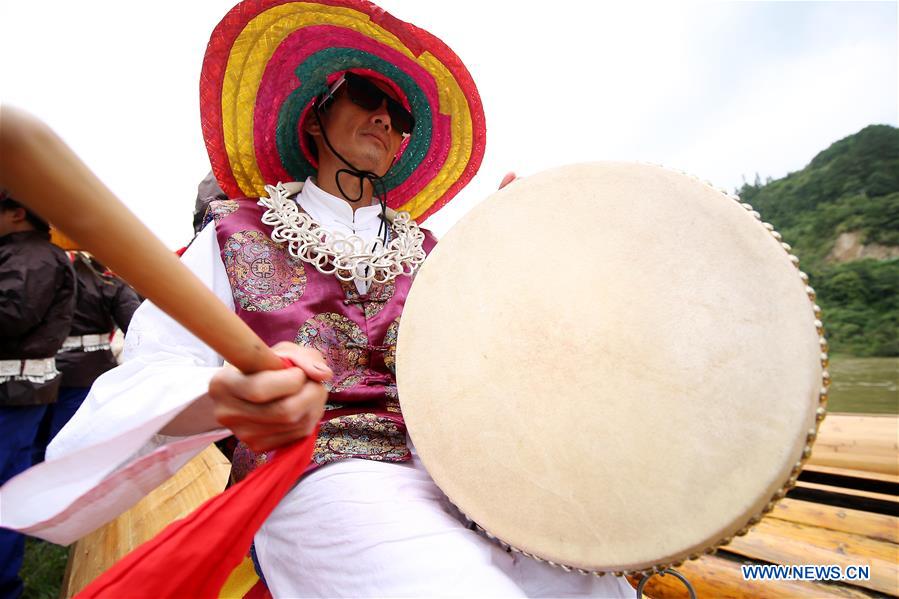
{"type": "Point", "coordinates": [722, 90]}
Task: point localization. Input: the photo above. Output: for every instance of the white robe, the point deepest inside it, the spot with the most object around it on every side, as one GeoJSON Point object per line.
{"type": "Point", "coordinates": [403, 539]}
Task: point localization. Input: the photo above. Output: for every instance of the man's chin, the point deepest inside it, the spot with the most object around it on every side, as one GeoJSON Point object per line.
{"type": "Point", "coordinates": [373, 162]}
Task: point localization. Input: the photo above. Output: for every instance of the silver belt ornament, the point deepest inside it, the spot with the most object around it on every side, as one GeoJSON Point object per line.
{"type": "Point", "coordinates": [39, 370]}
{"type": "Point", "coordinates": [92, 342]}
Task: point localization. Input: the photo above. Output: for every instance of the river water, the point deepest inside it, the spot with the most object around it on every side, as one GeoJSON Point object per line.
{"type": "Point", "coordinates": [869, 385]}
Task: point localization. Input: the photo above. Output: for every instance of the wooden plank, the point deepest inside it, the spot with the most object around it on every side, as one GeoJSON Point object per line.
{"type": "Point", "coordinates": [842, 459]}
{"type": "Point", "coordinates": [878, 436]}
{"type": "Point", "coordinates": [860, 426]}
{"type": "Point", "coordinates": [67, 575]}
{"type": "Point", "coordinates": [859, 447]}
{"type": "Point", "coordinates": [840, 500]}
{"type": "Point", "coordinates": [881, 426]}
{"type": "Point", "coordinates": [869, 443]}
{"type": "Point", "coordinates": [781, 542]}
{"type": "Point", "coordinates": [721, 578]}
{"type": "Point", "coordinates": [203, 477]}
{"type": "Point", "coordinates": [863, 474]}
{"type": "Point", "coordinates": [848, 491]}
{"type": "Point", "coordinates": [873, 526]}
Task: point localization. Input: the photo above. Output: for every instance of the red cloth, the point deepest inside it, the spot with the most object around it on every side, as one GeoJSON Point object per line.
{"type": "Point", "coordinates": [259, 591]}
{"type": "Point", "coordinates": [193, 557]}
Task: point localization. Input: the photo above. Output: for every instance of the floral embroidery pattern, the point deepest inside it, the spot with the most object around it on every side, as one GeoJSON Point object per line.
{"type": "Point", "coordinates": [390, 342]}
{"type": "Point", "coordinates": [219, 209]}
{"type": "Point", "coordinates": [245, 461]}
{"type": "Point", "coordinates": [342, 343]}
{"type": "Point", "coordinates": [367, 436]}
{"type": "Point", "coordinates": [392, 402]}
{"type": "Point", "coordinates": [263, 277]}
{"type": "Point", "coordinates": [377, 297]}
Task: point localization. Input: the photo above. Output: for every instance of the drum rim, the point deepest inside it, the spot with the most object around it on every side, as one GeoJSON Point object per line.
{"type": "Point", "coordinates": [811, 434]}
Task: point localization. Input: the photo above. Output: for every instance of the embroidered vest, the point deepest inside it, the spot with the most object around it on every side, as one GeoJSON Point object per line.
{"type": "Point", "coordinates": [284, 299]}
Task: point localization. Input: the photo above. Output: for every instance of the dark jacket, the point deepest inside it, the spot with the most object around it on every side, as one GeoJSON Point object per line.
{"type": "Point", "coordinates": [104, 302]}
{"type": "Point", "coordinates": [37, 298]}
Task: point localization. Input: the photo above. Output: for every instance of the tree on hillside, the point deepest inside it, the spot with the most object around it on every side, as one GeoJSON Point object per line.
{"type": "Point", "coordinates": [851, 187]}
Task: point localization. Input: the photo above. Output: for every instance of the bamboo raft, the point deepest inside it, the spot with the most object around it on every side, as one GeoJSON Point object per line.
{"type": "Point", "coordinates": [844, 511]}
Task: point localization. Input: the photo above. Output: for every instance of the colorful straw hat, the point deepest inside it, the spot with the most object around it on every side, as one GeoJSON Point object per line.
{"type": "Point", "coordinates": [268, 59]}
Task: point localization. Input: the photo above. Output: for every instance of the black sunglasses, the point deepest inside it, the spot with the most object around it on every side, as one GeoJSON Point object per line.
{"type": "Point", "coordinates": [365, 94]}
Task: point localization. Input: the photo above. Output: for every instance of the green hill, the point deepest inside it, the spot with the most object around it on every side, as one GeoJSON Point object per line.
{"type": "Point", "coordinates": [841, 215]}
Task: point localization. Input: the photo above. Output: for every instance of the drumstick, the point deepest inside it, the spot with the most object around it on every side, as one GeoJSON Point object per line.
{"type": "Point", "coordinates": [41, 171]}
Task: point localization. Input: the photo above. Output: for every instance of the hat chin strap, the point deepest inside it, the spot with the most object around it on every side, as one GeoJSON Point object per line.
{"type": "Point", "coordinates": [362, 175]}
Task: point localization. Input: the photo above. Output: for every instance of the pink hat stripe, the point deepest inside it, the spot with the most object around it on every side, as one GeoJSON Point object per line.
{"type": "Point", "coordinates": [430, 165]}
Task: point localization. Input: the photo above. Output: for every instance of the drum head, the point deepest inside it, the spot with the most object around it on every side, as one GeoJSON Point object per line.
{"type": "Point", "coordinates": [610, 366]}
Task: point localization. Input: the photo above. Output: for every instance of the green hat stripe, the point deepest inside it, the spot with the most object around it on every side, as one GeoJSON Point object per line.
{"type": "Point", "coordinates": [314, 72]}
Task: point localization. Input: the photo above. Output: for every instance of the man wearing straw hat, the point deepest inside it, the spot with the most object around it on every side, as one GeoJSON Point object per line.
{"type": "Point", "coordinates": [379, 125]}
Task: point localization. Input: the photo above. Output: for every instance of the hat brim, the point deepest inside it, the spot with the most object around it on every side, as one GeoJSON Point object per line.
{"type": "Point", "coordinates": [268, 59]}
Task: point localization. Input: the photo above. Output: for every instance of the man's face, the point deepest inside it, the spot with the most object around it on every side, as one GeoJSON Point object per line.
{"type": "Point", "coordinates": [366, 138]}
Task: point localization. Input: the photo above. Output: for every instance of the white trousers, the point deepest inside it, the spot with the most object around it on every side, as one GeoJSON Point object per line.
{"type": "Point", "coordinates": [358, 528]}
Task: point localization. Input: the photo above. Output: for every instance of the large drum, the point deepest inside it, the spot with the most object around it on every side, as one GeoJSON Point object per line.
{"type": "Point", "coordinates": [612, 367]}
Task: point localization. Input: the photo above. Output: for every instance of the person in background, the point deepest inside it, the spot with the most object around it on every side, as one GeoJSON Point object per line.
{"type": "Point", "coordinates": [37, 299]}
{"type": "Point", "coordinates": [104, 303]}
{"type": "Point", "coordinates": [208, 191]}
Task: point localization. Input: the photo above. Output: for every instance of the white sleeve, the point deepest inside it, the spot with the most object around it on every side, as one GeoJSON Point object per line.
{"type": "Point", "coordinates": [109, 455]}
